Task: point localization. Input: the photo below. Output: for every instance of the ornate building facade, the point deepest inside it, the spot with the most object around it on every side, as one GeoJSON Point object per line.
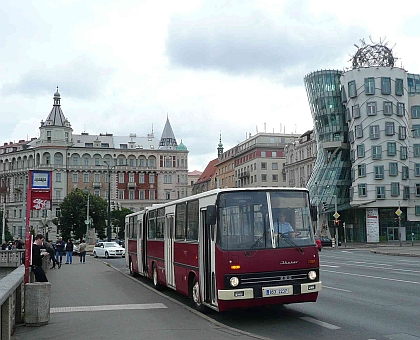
{"type": "Point", "coordinates": [141, 170]}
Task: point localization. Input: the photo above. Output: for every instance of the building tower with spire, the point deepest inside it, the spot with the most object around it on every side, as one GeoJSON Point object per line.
{"type": "Point", "coordinates": [220, 148]}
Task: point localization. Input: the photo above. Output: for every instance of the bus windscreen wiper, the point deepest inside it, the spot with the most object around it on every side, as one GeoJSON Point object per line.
{"type": "Point", "coordinates": [292, 243]}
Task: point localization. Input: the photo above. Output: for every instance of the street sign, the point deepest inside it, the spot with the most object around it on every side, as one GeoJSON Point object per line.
{"type": "Point", "coordinates": [336, 215]}
{"type": "Point", "coordinates": [398, 212]}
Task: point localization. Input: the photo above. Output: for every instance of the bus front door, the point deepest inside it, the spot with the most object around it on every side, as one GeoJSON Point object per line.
{"type": "Point", "coordinates": [169, 251]}
{"type": "Point", "coordinates": [207, 262]}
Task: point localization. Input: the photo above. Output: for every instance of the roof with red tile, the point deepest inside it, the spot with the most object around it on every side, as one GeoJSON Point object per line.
{"type": "Point", "coordinates": [209, 171]}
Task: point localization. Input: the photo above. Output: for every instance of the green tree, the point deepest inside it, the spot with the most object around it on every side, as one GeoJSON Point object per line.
{"type": "Point", "coordinates": [73, 214]}
{"type": "Point", "coordinates": [118, 220]}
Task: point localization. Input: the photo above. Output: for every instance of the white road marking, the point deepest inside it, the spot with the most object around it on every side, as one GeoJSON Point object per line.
{"type": "Point", "coordinates": [344, 290]}
{"type": "Point", "coordinates": [106, 307]}
{"type": "Point", "coordinates": [329, 266]}
{"type": "Point", "coordinates": [320, 323]}
{"type": "Point", "coordinates": [373, 277]}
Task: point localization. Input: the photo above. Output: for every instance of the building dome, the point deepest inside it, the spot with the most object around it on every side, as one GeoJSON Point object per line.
{"type": "Point", "coordinates": [181, 147]}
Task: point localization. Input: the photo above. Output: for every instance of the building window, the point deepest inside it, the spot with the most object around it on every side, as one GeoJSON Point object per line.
{"type": "Point", "coordinates": [86, 177]}
{"type": "Point", "coordinates": [97, 161]}
{"type": "Point", "coordinates": [399, 87]}
{"type": "Point", "coordinates": [131, 195]}
{"type": "Point", "coordinates": [380, 192]}
{"type": "Point", "coordinates": [131, 178]}
{"type": "Point", "coordinates": [58, 177]}
{"type": "Point", "coordinates": [263, 177]}
{"type": "Point", "coordinates": [362, 190]}
{"type": "Point", "coordinates": [263, 154]}
{"type": "Point", "coordinates": [348, 116]}
{"type": "Point", "coordinates": [352, 157]}
{"type": "Point", "coordinates": [417, 169]}
{"type": "Point", "coordinates": [371, 108]}
{"type": "Point", "coordinates": [141, 178]}
{"type": "Point", "coordinates": [403, 152]}
{"type": "Point", "coordinates": [263, 166]}
{"type": "Point", "coordinates": [415, 111]}
{"type": "Point", "coordinates": [97, 193]}
{"type": "Point", "coordinates": [389, 128]}
{"type": "Point", "coordinates": [400, 109]}
{"type": "Point", "coordinates": [152, 194]}
{"type": "Point", "coordinates": [402, 132]}
{"type": "Point", "coordinates": [358, 129]}
{"type": "Point", "coordinates": [406, 193]}
{"type": "Point", "coordinates": [404, 172]}
{"type": "Point", "coordinates": [388, 108]}
{"type": "Point", "coordinates": [393, 169]}
{"type": "Point", "coordinates": [416, 131]}
{"type": "Point", "coordinates": [386, 85]}
{"type": "Point", "coordinates": [355, 111]}
{"type": "Point", "coordinates": [97, 178]}
{"type": "Point", "coordinates": [351, 136]}
{"type": "Point", "coordinates": [274, 166]}
{"type": "Point", "coordinates": [352, 89]}
{"type": "Point", "coordinates": [86, 160]}
{"type": "Point", "coordinates": [120, 194]}
{"type": "Point", "coordinates": [151, 179]}
{"type": "Point", "coordinates": [379, 172]}
{"type": "Point", "coordinates": [395, 189]}
{"type": "Point", "coordinates": [141, 194]}
{"type": "Point", "coordinates": [417, 189]}
{"type": "Point", "coordinates": [417, 210]}
{"type": "Point", "coordinates": [392, 148]}
{"type": "Point", "coordinates": [361, 170]}
{"type": "Point", "coordinates": [376, 151]}
{"type": "Point", "coordinates": [369, 85]}
{"type": "Point", "coordinates": [274, 154]}
{"type": "Point", "coordinates": [374, 131]}
{"type": "Point", "coordinates": [361, 150]}
{"type": "Point", "coordinates": [416, 150]}
{"type": "Point", "coordinates": [275, 178]}
{"type": "Point", "coordinates": [75, 178]}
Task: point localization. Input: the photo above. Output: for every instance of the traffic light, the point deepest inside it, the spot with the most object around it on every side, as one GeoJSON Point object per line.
{"type": "Point", "coordinates": [324, 206]}
{"type": "Point", "coordinates": [336, 223]}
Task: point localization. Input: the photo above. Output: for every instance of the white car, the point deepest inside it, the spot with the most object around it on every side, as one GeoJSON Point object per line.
{"type": "Point", "coordinates": [108, 249]}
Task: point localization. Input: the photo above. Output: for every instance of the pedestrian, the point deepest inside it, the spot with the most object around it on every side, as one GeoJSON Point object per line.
{"type": "Point", "coordinates": [4, 246]}
{"type": "Point", "coordinates": [19, 244]}
{"type": "Point", "coordinates": [10, 246]}
{"type": "Point", "coordinates": [69, 251]}
{"type": "Point", "coordinates": [59, 249]}
{"type": "Point", "coordinates": [50, 250]}
{"type": "Point", "coordinates": [82, 251]}
{"type": "Point", "coordinates": [37, 257]}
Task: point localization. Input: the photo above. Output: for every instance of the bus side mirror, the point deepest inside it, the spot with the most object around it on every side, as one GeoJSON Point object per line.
{"type": "Point", "coordinates": [211, 215]}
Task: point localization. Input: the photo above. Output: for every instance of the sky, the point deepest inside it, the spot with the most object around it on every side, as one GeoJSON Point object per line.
{"type": "Point", "coordinates": [214, 67]}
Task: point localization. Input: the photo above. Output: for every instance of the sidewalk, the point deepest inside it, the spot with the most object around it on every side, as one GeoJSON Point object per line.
{"type": "Point", "coordinates": [96, 301]}
{"type": "Point", "coordinates": [406, 249]}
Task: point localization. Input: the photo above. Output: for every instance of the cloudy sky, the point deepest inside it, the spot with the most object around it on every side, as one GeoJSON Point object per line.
{"type": "Point", "coordinates": [229, 67]}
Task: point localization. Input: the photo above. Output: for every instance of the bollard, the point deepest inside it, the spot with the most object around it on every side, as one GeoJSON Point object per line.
{"type": "Point", "coordinates": [37, 303]}
{"type": "Point", "coordinates": [333, 242]}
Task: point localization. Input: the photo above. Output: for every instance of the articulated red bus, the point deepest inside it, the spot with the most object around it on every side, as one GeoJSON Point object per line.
{"type": "Point", "coordinates": [223, 249]}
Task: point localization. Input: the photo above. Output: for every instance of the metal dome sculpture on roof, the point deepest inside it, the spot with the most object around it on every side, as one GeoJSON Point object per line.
{"type": "Point", "coordinates": [373, 55]}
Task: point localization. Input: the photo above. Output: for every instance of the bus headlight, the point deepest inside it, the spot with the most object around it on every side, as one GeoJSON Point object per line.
{"type": "Point", "coordinates": [312, 275]}
{"type": "Point", "coordinates": [234, 281]}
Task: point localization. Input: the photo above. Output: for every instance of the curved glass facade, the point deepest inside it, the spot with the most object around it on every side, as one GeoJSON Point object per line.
{"type": "Point", "coordinates": [331, 173]}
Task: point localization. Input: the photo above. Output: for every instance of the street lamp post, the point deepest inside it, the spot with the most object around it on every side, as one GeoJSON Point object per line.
{"type": "Point", "coordinates": [108, 228]}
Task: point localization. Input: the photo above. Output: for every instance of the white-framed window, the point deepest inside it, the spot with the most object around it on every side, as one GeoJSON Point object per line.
{"type": "Point", "coordinates": [120, 194]}
{"type": "Point", "coordinates": [416, 150]}
{"type": "Point", "coordinates": [97, 161]}
{"type": "Point", "coordinates": [152, 194]}
{"type": "Point", "coordinates": [374, 131]}
{"type": "Point", "coordinates": [376, 151]}
{"type": "Point", "coordinates": [97, 193]}
{"type": "Point", "coordinates": [131, 194]}
{"type": "Point", "coordinates": [274, 166]}
{"type": "Point", "coordinates": [120, 178]}
{"type": "Point", "coordinates": [403, 152]}
{"type": "Point", "coordinates": [355, 111]}
{"type": "Point", "coordinates": [385, 85]}
{"type": "Point", "coordinates": [141, 194]}
{"type": "Point", "coordinates": [352, 89]}
{"type": "Point", "coordinates": [388, 108]}
{"type": "Point", "coordinates": [392, 148]}
{"type": "Point", "coordinates": [417, 169]}
{"type": "Point", "coordinates": [141, 178]}
{"type": "Point", "coordinates": [406, 193]}
{"type": "Point", "coordinates": [395, 189]}
{"type": "Point", "coordinates": [75, 177]}
{"type": "Point", "coordinates": [361, 170]}
{"type": "Point", "coordinates": [362, 190]}
{"type": "Point", "coordinates": [371, 108]}
{"type": "Point", "coordinates": [369, 85]}
{"type": "Point", "coordinates": [97, 177]}
{"type": "Point", "coordinates": [402, 132]}
{"type": "Point", "coordinates": [361, 150]}
{"type": "Point", "coordinates": [399, 87]}
{"type": "Point", "coordinates": [263, 154]}
{"type": "Point", "coordinates": [393, 169]}
{"type": "Point", "coordinates": [415, 111]}
{"type": "Point", "coordinates": [151, 179]}
{"type": "Point", "coordinates": [380, 192]}
{"type": "Point", "coordinates": [86, 160]}
{"type": "Point", "coordinates": [131, 177]}
{"type": "Point", "coordinates": [86, 177]}
{"type": "Point", "coordinates": [389, 128]}
{"type": "Point", "coordinates": [404, 172]}
{"type": "Point", "coordinates": [400, 109]}
{"type": "Point", "coordinates": [58, 194]}
{"type": "Point", "coordinates": [379, 171]}
{"type": "Point", "coordinates": [58, 176]}
{"type": "Point", "coordinates": [358, 131]}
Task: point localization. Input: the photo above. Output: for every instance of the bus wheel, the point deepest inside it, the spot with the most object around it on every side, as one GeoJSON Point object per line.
{"type": "Point", "coordinates": [195, 296]}
{"type": "Point", "coordinates": [132, 272]}
{"type": "Point", "coordinates": [155, 277]}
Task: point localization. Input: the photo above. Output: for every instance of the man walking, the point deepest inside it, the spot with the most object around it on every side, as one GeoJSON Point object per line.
{"type": "Point", "coordinates": [37, 257]}
{"type": "Point", "coordinates": [82, 251]}
{"type": "Point", "coordinates": [59, 249]}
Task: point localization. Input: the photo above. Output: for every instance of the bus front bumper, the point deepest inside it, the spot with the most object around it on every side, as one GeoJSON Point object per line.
{"type": "Point", "coordinates": [267, 292]}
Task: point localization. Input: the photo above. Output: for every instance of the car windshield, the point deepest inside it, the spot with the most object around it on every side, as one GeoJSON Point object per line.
{"type": "Point", "coordinates": [111, 244]}
{"type": "Point", "coordinates": [264, 219]}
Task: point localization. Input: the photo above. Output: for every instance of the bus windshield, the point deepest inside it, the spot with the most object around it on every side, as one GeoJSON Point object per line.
{"type": "Point", "coordinates": [264, 219]}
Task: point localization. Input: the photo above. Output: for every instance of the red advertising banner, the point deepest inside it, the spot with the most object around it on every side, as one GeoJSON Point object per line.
{"type": "Point", "coordinates": [38, 197]}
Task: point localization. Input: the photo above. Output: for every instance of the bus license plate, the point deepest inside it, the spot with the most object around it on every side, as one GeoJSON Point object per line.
{"type": "Point", "coordinates": [275, 292]}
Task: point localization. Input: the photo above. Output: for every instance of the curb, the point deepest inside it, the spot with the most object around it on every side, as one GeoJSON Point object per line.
{"type": "Point", "coordinates": [395, 254]}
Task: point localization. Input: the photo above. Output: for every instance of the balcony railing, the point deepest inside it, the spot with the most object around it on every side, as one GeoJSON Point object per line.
{"type": "Point", "coordinates": [131, 185]}
{"type": "Point", "coordinates": [97, 185]}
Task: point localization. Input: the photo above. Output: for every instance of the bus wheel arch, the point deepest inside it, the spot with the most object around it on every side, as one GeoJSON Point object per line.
{"type": "Point", "coordinates": [131, 267]}
{"type": "Point", "coordinates": [194, 293]}
{"type": "Point", "coordinates": [155, 277]}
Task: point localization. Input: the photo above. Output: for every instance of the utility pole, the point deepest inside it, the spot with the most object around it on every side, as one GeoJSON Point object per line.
{"type": "Point", "coordinates": [3, 231]}
{"type": "Point", "coordinates": [87, 220]}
